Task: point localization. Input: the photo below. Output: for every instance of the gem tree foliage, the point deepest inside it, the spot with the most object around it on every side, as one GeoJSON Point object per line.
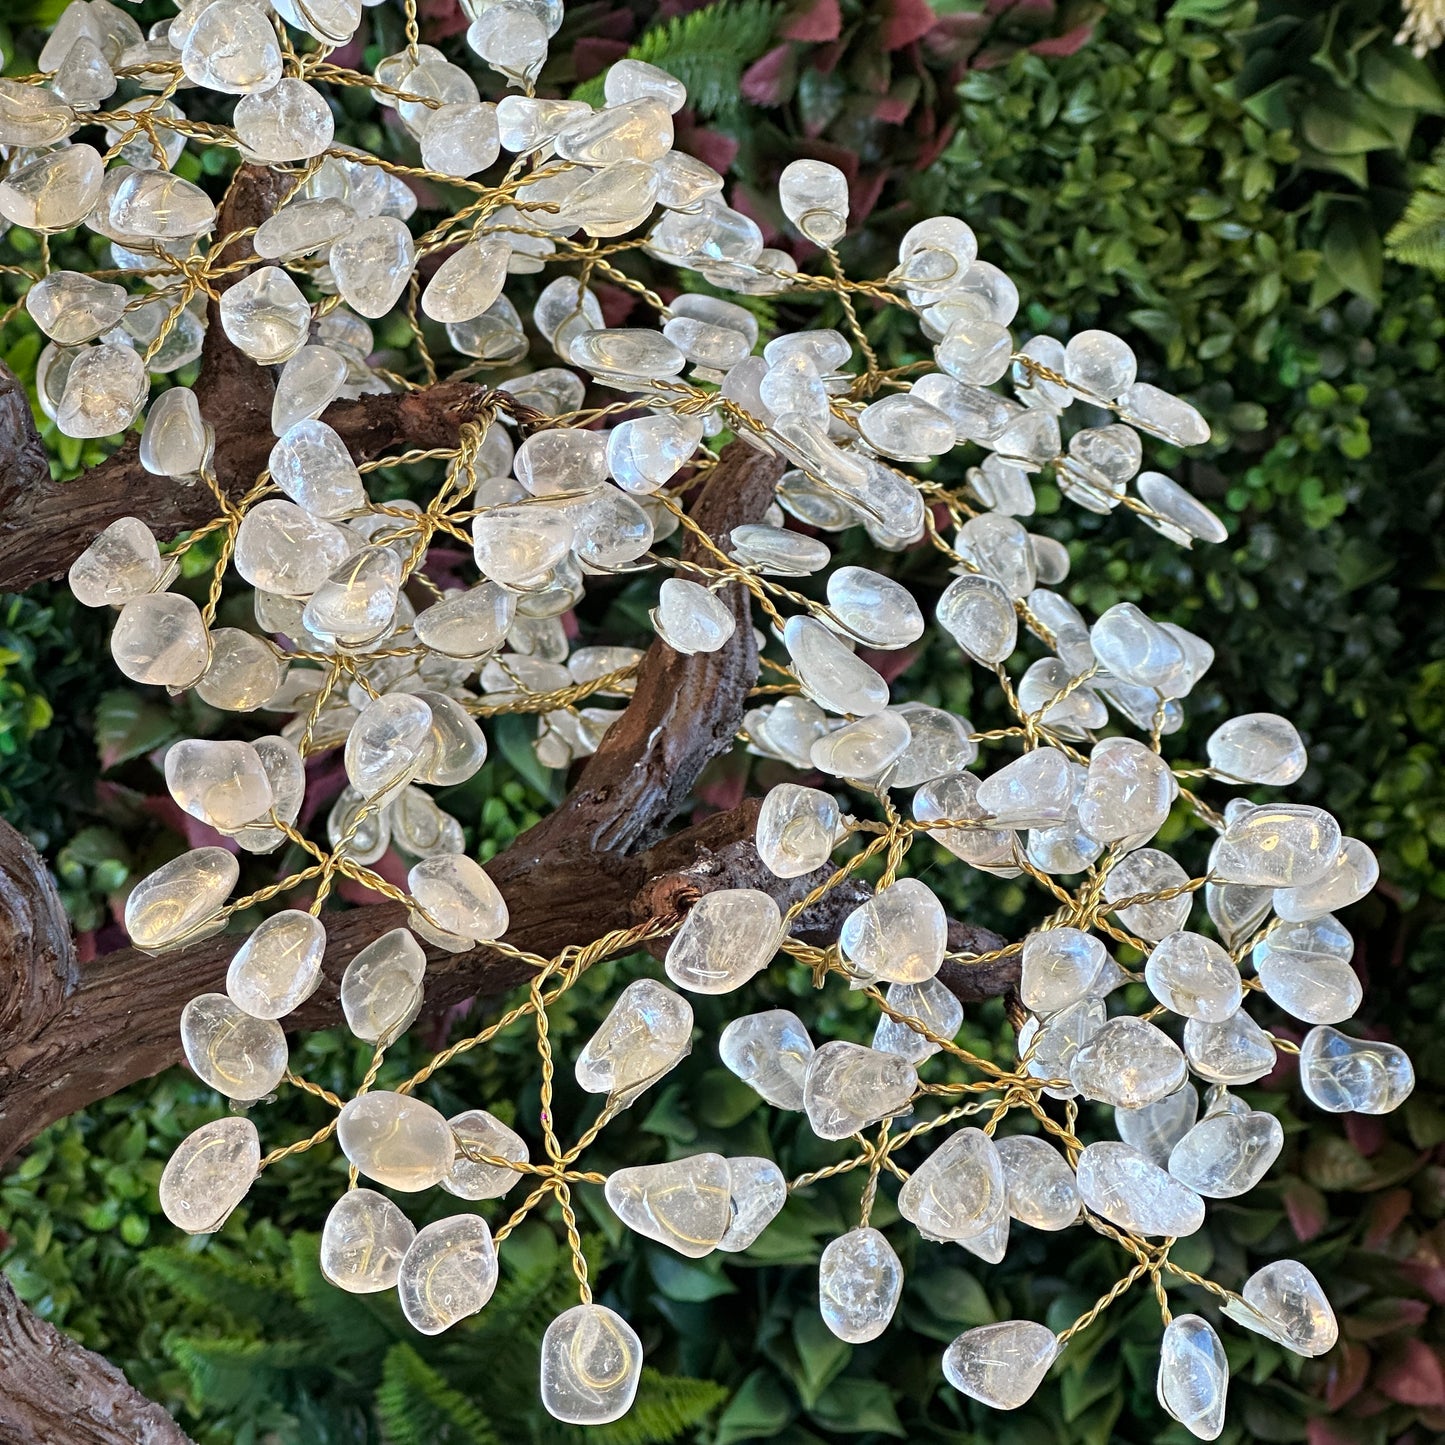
{"type": "Point", "coordinates": [586, 468]}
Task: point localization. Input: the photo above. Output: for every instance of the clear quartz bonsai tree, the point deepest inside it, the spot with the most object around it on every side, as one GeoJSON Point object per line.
{"type": "Point", "coordinates": [724, 461]}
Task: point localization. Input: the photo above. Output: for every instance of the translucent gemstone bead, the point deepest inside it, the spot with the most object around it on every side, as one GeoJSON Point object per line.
{"type": "Point", "coordinates": [1259, 747]}
{"type": "Point", "coordinates": [210, 1174]}
{"type": "Point", "coordinates": [105, 390]}
{"type": "Point", "coordinates": [422, 829]}
{"type": "Point", "coordinates": [1060, 966]}
{"type": "Point", "coordinates": [301, 227]}
{"type": "Point", "coordinates": [1119, 1184]}
{"type": "Point", "coordinates": [1128, 1063]}
{"type": "Point", "coordinates": [460, 139]}
{"type": "Point", "coordinates": [381, 990]}
{"type": "Point", "coordinates": [627, 352]}
{"type": "Point", "coordinates": [788, 729]}
{"type": "Point", "coordinates": [778, 552]}
{"type": "Point", "coordinates": [1349, 878]}
{"type": "Point", "coordinates": [770, 1052]}
{"type": "Point", "coordinates": [71, 307]}
{"type": "Point", "coordinates": [690, 619]}
{"type": "Point", "coordinates": [591, 1363]}
{"type": "Point", "coordinates": [646, 452]}
{"type": "Point", "coordinates": [483, 1133]}
{"type": "Point", "coordinates": [517, 546]}
{"type": "Point", "coordinates": [1193, 976]}
{"type": "Point", "coordinates": [1305, 969]}
{"type": "Point", "coordinates": [458, 747]}
{"type": "Point", "coordinates": [448, 1273]}
{"type": "Point", "coordinates": [1162, 415]}
{"type": "Point", "coordinates": [1284, 1302]}
{"type": "Point", "coordinates": [309, 382]}
{"type": "Point", "coordinates": [706, 345]}
{"type": "Point", "coordinates": [1236, 1051]}
{"type": "Point", "coordinates": [388, 744]}
{"type": "Point", "coordinates": [796, 829]}
{"type": "Point", "coordinates": [510, 39]}
{"type": "Point", "coordinates": [1149, 872]}
{"type": "Point", "coordinates": [158, 206]}
{"type": "Point", "coordinates": [397, 1140]}
{"type": "Point", "coordinates": [928, 1003]}
{"type": "Point", "coordinates": [1155, 1129]}
{"type": "Point", "coordinates": [281, 548]}
{"type": "Point", "coordinates": [635, 130]}
{"type": "Point", "coordinates": [1177, 515]}
{"type": "Point", "coordinates": [468, 281]}
{"type": "Point", "coordinates": [647, 1032]}
{"type": "Point", "coordinates": [1039, 692]}
{"type": "Point", "coordinates": [29, 116]}
{"type": "Point", "coordinates": [862, 750]}
{"type": "Point", "coordinates": [526, 122]}
{"type": "Point", "coordinates": [685, 1204]}
{"type": "Point", "coordinates": [53, 192]}
{"type": "Point", "coordinates": [999, 548]}
{"type": "Point", "coordinates": [363, 1242]}
{"type": "Point", "coordinates": [122, 563]}
{"type": "Point", "coordinates": [975, 350]}
{"type": "Point", "coordinates": [1128, 793]}
{"type": "Point", "coordinates": [830, 674]}
{"type": "Point", "coordinates": [278, 967]}
{"type": "Point", "coordinates": [860, 1280]}
{"type": "Point", "coordinates": [876, 610]}
{"type": "Point", "coordinates": [175, 442]}
{"type": "Point", "coordinates": [1051, 1044]}
{"type": "Point", "coordinates": [757, 1193]}
{"type": "Point", "coordinates": [1098, 365]}
{"type": "Point", "coordinates": [847, 1087]}
{"type": "Point", "coordinates": [1003, 1364]}
{"type": "Point", "coordinates": [244, 672]}
{"type": "Point", "coordinates": [1282, 845]}
{"type": "Point", "coordinates": [221, 783]}
{"type": "Point", "coordinates": [900, 934]}
{"type": "Point", "coordinates": [907, 427]}
{"type": "Point", "coordinates": [371, 263]}
{"type": "Point", "coordinates": [289, 122]}
{"type": "Point", "coordinates": [727, 937]}
{"type": "Point", "coordinates": [454, 890]}
{"type": "Point", "coordinates": [939, 744]}
{"type": "Point", "coordinates": [1040, 1186]}
{"type": "Point", "coordinates": [814, 197]}
{"type": "Point", "coordinates": [1226, 1155]}
{"type": "Point", "coordinates": [958, 1191]}
{"type": "Point", "coordinates": [1137, 650]}
{"type": "Point", "coordinates": [980, 617]}
{"type": "Point", "coordinates": [468, 624]}
{"type": "Point", "coordinates": [239, 1056]}
{"type": "Point", "coordinates": [287, 776]}
{"type": "Point", "coordinates": [955, 798]}
{"type": "Point", "coordinates": [233, 49]}
{"type": "Point", "coordinates": [1034, 791]}
{"type": "Point", "coordinates": [1193, 1376]}
{"type": "Point", "coordinates": [1343, 1075]}
{"type": "Point", "coordinates": [612, 530]}
{"type": "Point", "coordinates": [1236, 909]}
{"type": "Point", "coordinates": [181, 898]}
{"type": "Point", "coordinates": [357, 603]}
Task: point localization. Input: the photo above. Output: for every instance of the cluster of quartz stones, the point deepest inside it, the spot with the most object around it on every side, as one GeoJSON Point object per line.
{"type": "Point", "coordinates": [345, 653]}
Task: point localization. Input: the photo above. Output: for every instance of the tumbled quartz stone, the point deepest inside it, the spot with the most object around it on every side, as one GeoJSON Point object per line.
{"type": "Point", "coordinates": [448, 1273]}
{"type": "Point", "coordinates": [160, 639]}
{"type": "Point", "coordinates": [1099, 365]}
{"type": "Point", "coordinates": [381, 990]}
{"type": "Point", "coordinates": [1343, 1075]}
{"type": "Point", "coordinates": [645, 453]}
{"type": "Point", "coordinates": [1193, 1376]}
{"type": "Point", "coordinates": [958, 1191]}
{"type": "Point", "coordinates": [862, 750]}
{"type": "Point", "coordinates": [847, 1087]}
{"type": "Point", "coordinates": [1260, 747]}
{"type": "Point", "coordinates": [1156, 1128]}
{"type": "Point", "coordinates": [210, 1174]}
{"type": "Point", "coordinates": [281, 548]}
{"type": "Point", "coordinates": [591, 1363]}
{"type": "Point", "coordinates": [1305, 968]}
{"type": "Point", "coordinates": [1236, 909]}
{"type": "Point", "coordinates": [122, 563]}
{"type": "Point", "coordinates": [955, 799]}
{"type": "Point", "coordinates": [906, 427]}
{"type": "Point", "coordinates": [1038, 1182]}
{"type": "Point", "coordinates": [239, 1056]}
{"type": "Point", "coordinates": [1284, 1302]}
{"type": "Point", "coordinates": [221, 783]}
{"type": "Point", "coordinates": [1119, 1184]}
{"type": "Point", "coordinates": [356, 604]}
{"type": "Point", "coordinates": [233, 49]}
{"type": "Point", "coordinates": [796, 829]}
{"type": "Point", "coordinates": [928, 1003]}
{"type": "Point", "coordinates": [1282, 845]}
{"type": "Point", "coordinates": [467, 624]}
{"type": "Point", "coordinates": [458, 746]}
{"type": "Point", "coordinates": [265, 315]}
{"type": "Point", "coordinates": [1227, 1154]}
{"type": "Point", "coordinates": [1144, 875]}
{"type": "Point", "coordinates": [1060, 966]}
{"type": "Point", "coordinates": [1003, 1364]}
{"type": "Point", "coordinates": [53, 192]}
{"type": "Point", "coordinates": [1050, 1045]}
{"type": "Point", "coordinates": [278, 967]}
{"type": "Point", "coordinates": [647, 1032]}
{"type": "Point", "coordinates": [685, 1204]}
{"type": "Point", "coordinates": [71, 307]}
{"type": "Point", "coordinates": [630, 352]}
{"type": "Point", "coordinates": [517, 546]}
{"type": "Point", "coordinates": [30, 117]}
{"type": "Point", "coordinates": [456, 894]}
{"type": "Point", "coordinates": [1128, 792]}
{"type": "Point", "coordinates": [770, 1052]}
{"type": "Point", "coordinates": [388, 744]}
{"type": "Point", "coordinates": [1349, 878]}
{"type": "Point", "coordinates": [363, 1242]}
{"type": "Point", "coordinates": [814, 197]}
{"type": "Point", "coordinates": [311, 464]}
{"type": "Point", "coordinates": [244, 674]}
{"type": "Point", "coordinates": [400, 1142]}
{"type": "Point", "coordinates": [460, 139]}
{"type": "Point", "coordinates": [876, 610]}
{"type": "Point", "coordinates": [289, 122]}
{"type": "Point", "coordinates": [691, 619]}
{"type": "Point", "coordinates": [757, 1193]}
{"type": "Point", "coordinates": [778, 552]}
{"type": "Point", "coordinates": [483, 1133]}
{"type": "Point", "coordinates": [300, 227]}
{"type": "Point", "coordinates": [727, 937]}
{"type": "Point", "coordinates": [180, 899]}
{"type": "Point", "coordinates": [371, 263]}
{"type": "Point", "coordinates": [830, 674]}
{"type": "Point", "coordinates": [1128, 1063]}
{"type": "Point", "coordinates": [104, 392]}
{"type": "Point", "coordinates": [1236, 1051]}
{"type": "Point", "coordinates": [1034, 791]}
{"type": "Point", "coordinates": [939, 744]}
{"type": "Point", "coordinates": [309, 382]}
{"type": "Point", "coordinates": [1193, 976]}
{"type": "Point", "coordinates": [860, 1280]}
{"type": "Point", "coordinates": [468, 281]}
{"type": "Point", "coordinates": [900, 934]}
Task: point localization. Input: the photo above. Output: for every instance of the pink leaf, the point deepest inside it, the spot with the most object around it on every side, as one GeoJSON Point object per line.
{"type": "Point", "coordinates": [1058, 46]}
{"type": "Point", "coordinates": [1413, 1375]}
{"type": "Point", "coordinates": [1349, 1369]}
{"type": "Point", "coordinates": [908, 20]}
{"type": "Point", "coordinates": [1305, 1205]}
{"type": "Point", "coordinates": [818, 20]}
{"type": "Point", "coordinates": [769, 81]}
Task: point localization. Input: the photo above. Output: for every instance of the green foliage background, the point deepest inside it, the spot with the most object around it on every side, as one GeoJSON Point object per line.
{"type": "Point", "coordinates": [1213, 179]}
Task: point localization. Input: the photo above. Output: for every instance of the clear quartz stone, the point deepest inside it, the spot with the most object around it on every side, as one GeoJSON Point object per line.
{"type": "Point", "coordinates": [456, 895]}
{"type": "Point", "coordinates": [770, 1052]}
{"type": "Point", "coordinates": [1034, 791]}
{"type": "Point", "coordinates": [814, 197]}
{"type": "Point", "coordinates": [1344, 1075]}
{"type": "Point", "coordinates": [460, 139]}
{"type": "Point", "coordinates": [1284, 1302]}
{"type": "Point", "coordinates": [1099, 365]}
{"type": "Point", "coordinates": [1351, 876]}
{"type": "Point", "coordinates": [53, 192]}
{"type": "Point", "coordinates": [1040, 1186]}
{"type": "Point", "coordinates": [281, 548]}
{"type": "Point", "coordinates": [1128, 793]}
{"type": "Point", "coordinates": [357, 603]}
{"type": "Point", "coordinates": [241, 1057]}
{"type": "Point", "coordinates": [179, 901]}
{"type": "Point", "coordinates": [876, 610]}
{"type": "Point", "coordinates": [1146, 875]}
{"type": "Point", "coordinates": [1002, 1364]}
{"type": "Point", "coordinates": [279, 966]}
{"type": "Point", "coordinates": [388, 745]}
{"type": "Point", "coordinates": [468, 624]}
{"type": "Point", "coordinates": [958, 1192]}
{"type": "Point", "coordinates": [468, 281]}
{"type": "Point", "coordinates": [727, 937]}
{"type": "Point", "coordinates": [1128, 1063]}
{"type": "Point", "coordinates": [309, 382]}
{"type": "Point", "coordinates": [645, 453]}
{"type": "Point", "coordinates": [830, 674]}
{"type": "Point", "coordinates": [483, 1133]}
{"type": "Point", "coordinates": [233, 49]}
{"type": "Point", "coordinates": [757, 1192]}
{"type": "Point", "coordinates": [1156, 1128]}
{"type": "Point", "coordinates": [72, 308]}
{"type": "Point", "coordinates": [381, 990]}
{"type": "Point", "coordinates": [1227, 1154]}
{"type": "Point", "coordinates": [221, 783]}
{"type": "Point", "coordinates": [1306, 969]}
{"type": "Point", "coordinates": [900, 934]}
{"type": "Point", "coordinates": [209, 1174]}
{"type": "Point", "coordinates": [371, 263]}
{"type": "Point", "coordinates": [1193, 1376]}
{"type": "Point", "coordinates": [1060, 966]}
{"type": "Point", "coordinates": [954, 798]}
{"type": "Point", "coordinates": [105, 390]}
{"type": "Point", "coordinates": [863, 750]}
{"type": "Point", "coordinates": [1236, 1051]}
{"type": "Point", "coordinates": [396, 1140]}
{"type": "Point", "coordinates": [928, 1003]}
{"type": "Point", "coordinates": [244, 672]}
{"type": "Point", "coordinates": [1193, 976]}
{"type": "Point", "coordinates": [685, 1204]}
{"type": "Point", "coordinates": [1119, 1184]}
{"type": "Point", "coordinates": [647, 1032]}
{"type": "Point", "coordinates": [860, 1280]}
{"type": "Point", "coordinates": [289, 122]}
{"type": "Point", "coordinates": [847, 1087]}
{"type": "Point", "coordinates": [1052, 1044]}
{"type": "Point", "coordinates": [122, 563]}
{"type": "Point", "coordinates": [796, 829]}
{"type": "Point", "coordinates": [690, 618]}
{"type": "Point", "coordinates": [591, 1363]}
{"type": "Point", "coordinates": [1281, 845]}
{"type": "Point", "coordinates": [1259, 747]}
{"type": "Point", "coordinates": [448, 1273]}
{"type": "Point", "coordinates": [175, 442]}
{"type": "Point", "coordinates": [363, 1242]}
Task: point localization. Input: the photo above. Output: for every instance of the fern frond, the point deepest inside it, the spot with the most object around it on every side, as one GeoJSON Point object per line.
{"type": "Point", "coordinates": [1418, 237]}
{"type": "Point", "coordinates": [226, 1374]}
{"type": "Point", "coordinates": [707, 50]}
{"type": "Point", "coordinates": [213, 1279]}
{"type": "Point", "coordinates": [416, 1406]}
